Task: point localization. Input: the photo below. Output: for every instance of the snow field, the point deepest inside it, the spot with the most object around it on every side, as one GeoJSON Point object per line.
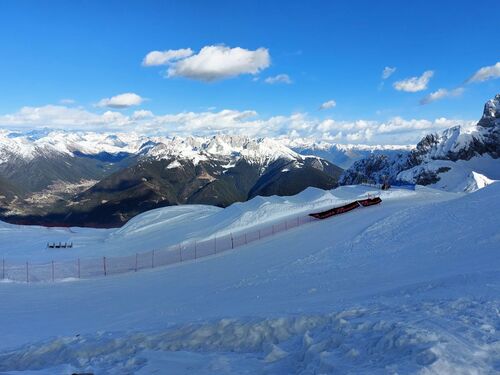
{"type": "Point", "coordinates": [409, 286]}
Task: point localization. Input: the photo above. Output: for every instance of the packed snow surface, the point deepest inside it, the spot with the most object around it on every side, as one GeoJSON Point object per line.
{"type": "Point", "coordinates": [458, 176]}
{"type": "Point", "coordinates": [409, 286]}
{"type": "Point", "coordinates": [160, 228]}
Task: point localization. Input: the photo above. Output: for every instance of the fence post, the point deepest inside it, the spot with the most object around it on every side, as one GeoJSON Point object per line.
{"type": "Point", "coordinates": [104, 265]}
{"type": "Point", "coordinates": [153, 259]}
{"type": "Point", "coordinates": [195, 249]}
{"type": "Point", "coordinates": [273, 229]}
{"type": "Point", "coordinates": [215, 244]}
{"type": "Point", "coordinates": [27, 273]}
{"type": "Point", "coordinates": [245, 238]}
{"type": "Point", "coordinates": [180, 252]}
{"type": "Point", "coordinates": [52, 271]}
{"type": "Point", "coordinates": [79, 268]}
{"type": "Point", "coordinates": [136, 261]}
{"type": "Point", "coordinates": [298, 221]}
{"type": "Point", "coordinates": [232, 241]}
{"type": "Point", "coordinates": [259, 234]}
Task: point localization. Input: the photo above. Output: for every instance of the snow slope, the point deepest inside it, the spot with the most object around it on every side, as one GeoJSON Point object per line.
{"type": "Point", "coordinates": [167, 226]}
{"type": "Point", "coordinates": [458, 176]}
{"type": "Point", "coordinates": [410, 286]}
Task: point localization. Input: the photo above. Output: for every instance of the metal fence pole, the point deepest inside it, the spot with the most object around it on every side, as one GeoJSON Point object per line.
{"type": "Point", "coordinates": [232, 241]}
{"type": "Point", "coordinates": [153, 259]}
{"type": "Point", "coordinates": [79, 268]}
{"type": "Point", "coordinates": [27, 273]}
{"type": "Point", "coordinates": [180, 252]}
{"type": "Point", "coordinates": [215, 244]}
{"type": "Point", "coordinates": [104, 265]}
{"type": "Point", "coordinates": [195, 249]}
{"type": "Point", "coordinates": [136, 261]}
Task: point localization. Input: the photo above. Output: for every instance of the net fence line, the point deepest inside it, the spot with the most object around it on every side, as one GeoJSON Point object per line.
{"type": "Point", "coordinates": [85, 268]}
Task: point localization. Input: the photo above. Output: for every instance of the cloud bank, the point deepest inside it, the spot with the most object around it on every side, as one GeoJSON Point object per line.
{"type": "Point", "coordinates": [396, 130]}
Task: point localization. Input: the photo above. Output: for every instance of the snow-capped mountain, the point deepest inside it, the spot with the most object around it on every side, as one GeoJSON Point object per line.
{"type": "Point", "coordinates": [32, 144]}
{"type": "Point", "coordinates": [459, 159]}
{"type": "Point", "coordinates": [343, 155]}
{"type": "Point", "coordinates": [105, 179]}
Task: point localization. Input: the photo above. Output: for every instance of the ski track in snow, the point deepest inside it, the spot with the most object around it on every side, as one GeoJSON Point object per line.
{"type": "Point", "coordinates": [410, 286]}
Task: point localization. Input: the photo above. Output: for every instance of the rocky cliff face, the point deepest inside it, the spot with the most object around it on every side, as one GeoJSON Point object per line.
{"type": "Point", "coordinates": [435, 154]}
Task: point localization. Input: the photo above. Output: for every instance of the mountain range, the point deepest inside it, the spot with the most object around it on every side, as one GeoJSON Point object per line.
{"type": "Point", "coordinates": [343, 155]}
{"type": "Point", "coordinates": [457, 159]}
{"type": "Point", "coordinates": [102, 180]}
{"type": "Point", "coordinates": [51, 177]}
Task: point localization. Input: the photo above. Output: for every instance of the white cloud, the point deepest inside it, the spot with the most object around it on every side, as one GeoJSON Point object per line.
{"type": "Point", "coordinates": [67, 101]}
{"type": "Point", "coordinates": [126, 100]}
{"type": "Point", "coordinates": [328, 105]}
{"type": "Point", "coordinates": [155, 58]}
{"type": "Point", "coordinates": [280, 78]}
{"type": "Point", "coordinates": [58, 116]}
{"type": "Point", "coordinates": [486, 73]}
{"type": "Point", "coordinates": [396, 130]}
{"type": "Point", "coordinates": [441, 94]}
{"type": "Point", "coordinates": [414, 84]}
{"type": "Point", "coordinates": [213, 63]}
{"type": "Point", "coordinates": [388, 71]}
{"type": "Point", "coordinates": [142, 114]}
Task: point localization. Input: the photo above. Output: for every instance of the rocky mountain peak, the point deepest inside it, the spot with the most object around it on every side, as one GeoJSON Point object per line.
{"type": "Point", "coordinates": [491, 113]}
{"type": "Point", "coordinates": [438, 153]}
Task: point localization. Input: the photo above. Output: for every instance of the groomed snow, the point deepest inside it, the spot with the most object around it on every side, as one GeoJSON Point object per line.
{"type": "Point", "coordinates": [410, 286]}
{"type": "Point", "coordinates": [160, 228]}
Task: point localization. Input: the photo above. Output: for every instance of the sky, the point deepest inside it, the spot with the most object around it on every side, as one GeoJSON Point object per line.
{"type": "Point", "coordinates": [339, 71]}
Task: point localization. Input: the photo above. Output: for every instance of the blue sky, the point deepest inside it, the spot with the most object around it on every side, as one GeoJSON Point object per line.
{"type": "Point", "coordinates": [87, 51]}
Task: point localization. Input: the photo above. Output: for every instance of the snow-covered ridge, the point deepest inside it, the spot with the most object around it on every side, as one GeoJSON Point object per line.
{"type": "Point", "coordinates": [28, 145]}
{"type": "Point", "coordinates": [32, 144]}
{"type": "Point", "coordinates": [261, 150]}
{"type": "Point", "coordinates": [312, 144]}
{"type": "Point", "coordinates": [452, 159]}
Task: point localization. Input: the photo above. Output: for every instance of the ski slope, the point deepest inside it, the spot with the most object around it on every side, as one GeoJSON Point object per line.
{"type": "Point", "coordinates": [409, 286]}
{"type": "Point", "coordinates": [167, 226]}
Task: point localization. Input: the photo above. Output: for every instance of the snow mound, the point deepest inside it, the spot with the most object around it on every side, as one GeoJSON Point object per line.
{"type": "Point", "coordinates": [361, 339]}
{"type": "Point", "coordinates": [476, 181]}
